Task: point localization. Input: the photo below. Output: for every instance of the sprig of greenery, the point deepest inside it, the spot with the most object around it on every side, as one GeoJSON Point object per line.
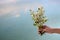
{"type": "Point", "coordinates": [38, 17]}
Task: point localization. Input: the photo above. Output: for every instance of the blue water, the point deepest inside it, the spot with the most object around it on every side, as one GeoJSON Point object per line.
{"type": "Point", "coordinates": [21, 27]}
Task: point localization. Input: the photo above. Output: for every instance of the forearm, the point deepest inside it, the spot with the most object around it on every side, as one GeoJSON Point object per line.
{"type": "Point", "coordinates": [55, 30]}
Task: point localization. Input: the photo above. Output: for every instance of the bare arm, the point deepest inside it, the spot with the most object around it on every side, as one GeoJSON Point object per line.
{"type": "Point", "coordinates": [49, 30]}
{"type": "Point", "coordinates": [56, 30]}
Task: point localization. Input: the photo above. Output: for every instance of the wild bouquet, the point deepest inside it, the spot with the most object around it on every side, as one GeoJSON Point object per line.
{"type": "Point", "coordinates": [39, 18]}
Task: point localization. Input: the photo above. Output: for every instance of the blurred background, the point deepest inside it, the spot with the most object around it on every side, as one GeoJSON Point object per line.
{"type": "Point", "coordinates": [17, 24]}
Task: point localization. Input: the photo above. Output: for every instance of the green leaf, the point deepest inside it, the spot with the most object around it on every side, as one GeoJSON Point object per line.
{"type": "Point", "coordinates": [34, 24]}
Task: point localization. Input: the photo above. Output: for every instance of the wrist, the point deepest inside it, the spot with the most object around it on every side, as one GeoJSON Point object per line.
{"type": "Point", "coordinates": [50, 30]}
{"type": "Point", "coordinates": [54, 30]}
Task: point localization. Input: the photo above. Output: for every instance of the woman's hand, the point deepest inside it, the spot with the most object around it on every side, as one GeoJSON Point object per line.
{"type": "Point", "coordinates": [45, 29]}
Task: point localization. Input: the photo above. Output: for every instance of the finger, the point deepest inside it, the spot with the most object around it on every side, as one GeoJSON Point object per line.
{"type": "Point", "coordinates": [39, 32]}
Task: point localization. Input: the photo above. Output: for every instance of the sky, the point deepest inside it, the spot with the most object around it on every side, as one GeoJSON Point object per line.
{"type": "Point", "coordinates": [7, 6]}
{"type": "Point", "coordinates": [16, 22]}
{"type": "Point", "coordinates": [15, 7]}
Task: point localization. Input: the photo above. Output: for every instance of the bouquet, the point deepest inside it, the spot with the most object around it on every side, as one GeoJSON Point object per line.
{"type": "Point", "coordinates": [39, 18]}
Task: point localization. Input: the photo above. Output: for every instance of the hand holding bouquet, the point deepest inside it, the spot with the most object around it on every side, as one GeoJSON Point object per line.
{"type": "Point", "coordinates": [39, 18]}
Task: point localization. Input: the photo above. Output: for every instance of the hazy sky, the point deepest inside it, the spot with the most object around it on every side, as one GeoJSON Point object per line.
{"type": "Point", "coordinates": [7, 6]}
{"type": "Point", "coordinates": [14, 7]}
{"type": "Point", "coordinates": [16, 22]}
